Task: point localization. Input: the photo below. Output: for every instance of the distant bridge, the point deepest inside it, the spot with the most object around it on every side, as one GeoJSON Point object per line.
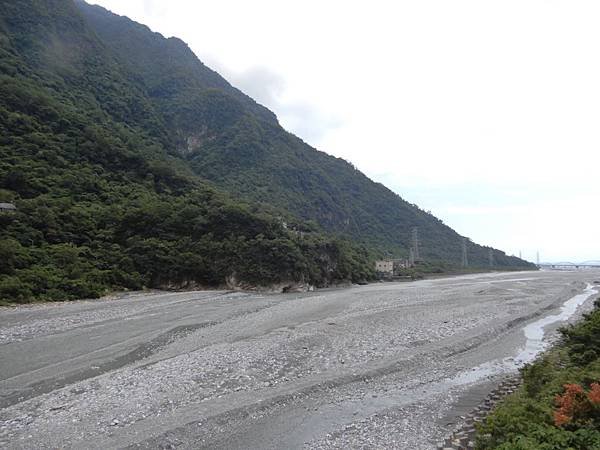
{"type": "Point", "coordinates": [563, 265]}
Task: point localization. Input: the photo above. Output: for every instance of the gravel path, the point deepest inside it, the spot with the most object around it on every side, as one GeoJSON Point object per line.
{"type": "Point", "coordinates": [378, 366]}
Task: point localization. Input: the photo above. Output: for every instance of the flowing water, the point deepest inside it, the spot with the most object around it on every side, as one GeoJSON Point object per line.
{"type": "Point", "coordinates": [534, 344]}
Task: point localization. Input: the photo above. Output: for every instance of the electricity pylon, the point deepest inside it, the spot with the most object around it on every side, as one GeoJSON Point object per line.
{"type": "Point", "coordinates": [465, 259]}
{"type": "Point", "coordinates": [415, 244]}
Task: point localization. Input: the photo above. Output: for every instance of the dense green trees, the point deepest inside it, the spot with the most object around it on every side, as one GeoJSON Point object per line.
{"type": "Point", "coordinates": [101, 203]}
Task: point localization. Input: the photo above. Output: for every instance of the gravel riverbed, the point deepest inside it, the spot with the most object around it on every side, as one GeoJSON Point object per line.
{"type": "Point", "coordinates": [362, 367]}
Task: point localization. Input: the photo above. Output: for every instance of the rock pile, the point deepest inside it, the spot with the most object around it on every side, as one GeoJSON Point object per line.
{"type": "Point", "coordinates": [464, 437]}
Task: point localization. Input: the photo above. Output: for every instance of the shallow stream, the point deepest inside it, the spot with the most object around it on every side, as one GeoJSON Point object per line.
{"type": "Point", "coordinates": [534, 344]}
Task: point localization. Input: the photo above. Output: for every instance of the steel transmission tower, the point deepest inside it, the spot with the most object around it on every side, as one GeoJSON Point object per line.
{"type": "Point", "coordinates": [465, 259]}
{"type": "Point", "coordinates": [415, 245]}
{"type": "Point", "coordinates": [491, 256]}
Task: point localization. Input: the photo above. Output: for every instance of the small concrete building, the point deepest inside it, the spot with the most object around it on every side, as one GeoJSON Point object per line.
{"type": "Point", "coordinates": [385, 267]}
{"type": "Point", "coordinates": [7, 208]}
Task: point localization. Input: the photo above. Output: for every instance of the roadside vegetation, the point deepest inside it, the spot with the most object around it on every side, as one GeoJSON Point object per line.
{"type": "Point", "coordinates": [558, 406]}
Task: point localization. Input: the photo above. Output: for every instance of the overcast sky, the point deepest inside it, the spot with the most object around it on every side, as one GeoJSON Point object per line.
{"type": "Point", "coordinates": [487, 113]}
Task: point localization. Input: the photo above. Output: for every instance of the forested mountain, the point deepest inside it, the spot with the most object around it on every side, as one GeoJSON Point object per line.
{"type": "Point", "coordinates": [101, 204]}
{"type": "Point", "coordinates": [122, 151]}
{"type": "Point", "coordinates": [230, 140]}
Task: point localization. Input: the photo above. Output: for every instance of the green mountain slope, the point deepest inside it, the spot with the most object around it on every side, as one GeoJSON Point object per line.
{"type": "Point", "coordinates": [102, 204]}
{"type": "Point", "coordinates": [227, 138]}
{"type": "Point", "coordinates": [124, 154]}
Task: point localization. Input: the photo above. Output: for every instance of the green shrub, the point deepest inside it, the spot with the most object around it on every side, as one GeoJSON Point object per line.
{"type": "Point", "coordinates": [533, 418]}
{"type": "Point", "coordinates": [14, 290]}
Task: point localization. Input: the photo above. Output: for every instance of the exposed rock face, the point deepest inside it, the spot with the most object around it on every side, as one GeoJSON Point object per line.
{"type": "Point", "coordinates": [283, 287]}
{"type": "Point", "coordinates": [193, 142]}
{"type": "Point", "coordinates": [186, 285]}
{"type": "Point", "coordinates": [232, 283]}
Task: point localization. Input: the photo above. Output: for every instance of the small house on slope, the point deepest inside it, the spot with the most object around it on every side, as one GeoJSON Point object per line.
{"type": "Point", "coordinates": [7, 208]}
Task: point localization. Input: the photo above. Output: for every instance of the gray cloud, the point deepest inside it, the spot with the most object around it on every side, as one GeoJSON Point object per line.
{"type": "Point", "coordinates": [307, 121]}
{"type": "Point", "coordinates": [267, 88]}
{"type": "Point", "coordinates": [262, 84]}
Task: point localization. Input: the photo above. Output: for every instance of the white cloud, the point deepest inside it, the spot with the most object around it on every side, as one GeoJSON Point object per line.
{"type": "Point", "coordinates": [261, 84]}
{"type": "Point", "coordinates": [269, 89]}
{"type": "Point", "coordinates": [433, 98]}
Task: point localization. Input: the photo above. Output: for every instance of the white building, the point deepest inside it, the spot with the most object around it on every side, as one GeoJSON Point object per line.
{"type": "Point", "coordinates": [385, 266]}
{"type": "Point", "coordinates": [7, 207]}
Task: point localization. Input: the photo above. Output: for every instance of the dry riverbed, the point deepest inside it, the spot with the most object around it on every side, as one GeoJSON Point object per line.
{"type": "Point", "coordinates": [381, 366]}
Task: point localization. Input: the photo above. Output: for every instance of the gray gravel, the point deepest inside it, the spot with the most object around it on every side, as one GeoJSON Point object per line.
{"type": "Point", "coordinates": [362, 367]}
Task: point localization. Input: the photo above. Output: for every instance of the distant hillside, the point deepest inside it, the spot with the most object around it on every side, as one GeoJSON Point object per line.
{"type": "Point", "coordinates": [101, 203]}
{"type": "Point", "coordinates": [230, 140]}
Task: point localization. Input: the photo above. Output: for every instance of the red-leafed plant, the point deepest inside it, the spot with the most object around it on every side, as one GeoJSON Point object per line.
{"type": "Point", "coordinates": [575, 405]}
{"type": "Point", "coordinates": [594, 394]}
